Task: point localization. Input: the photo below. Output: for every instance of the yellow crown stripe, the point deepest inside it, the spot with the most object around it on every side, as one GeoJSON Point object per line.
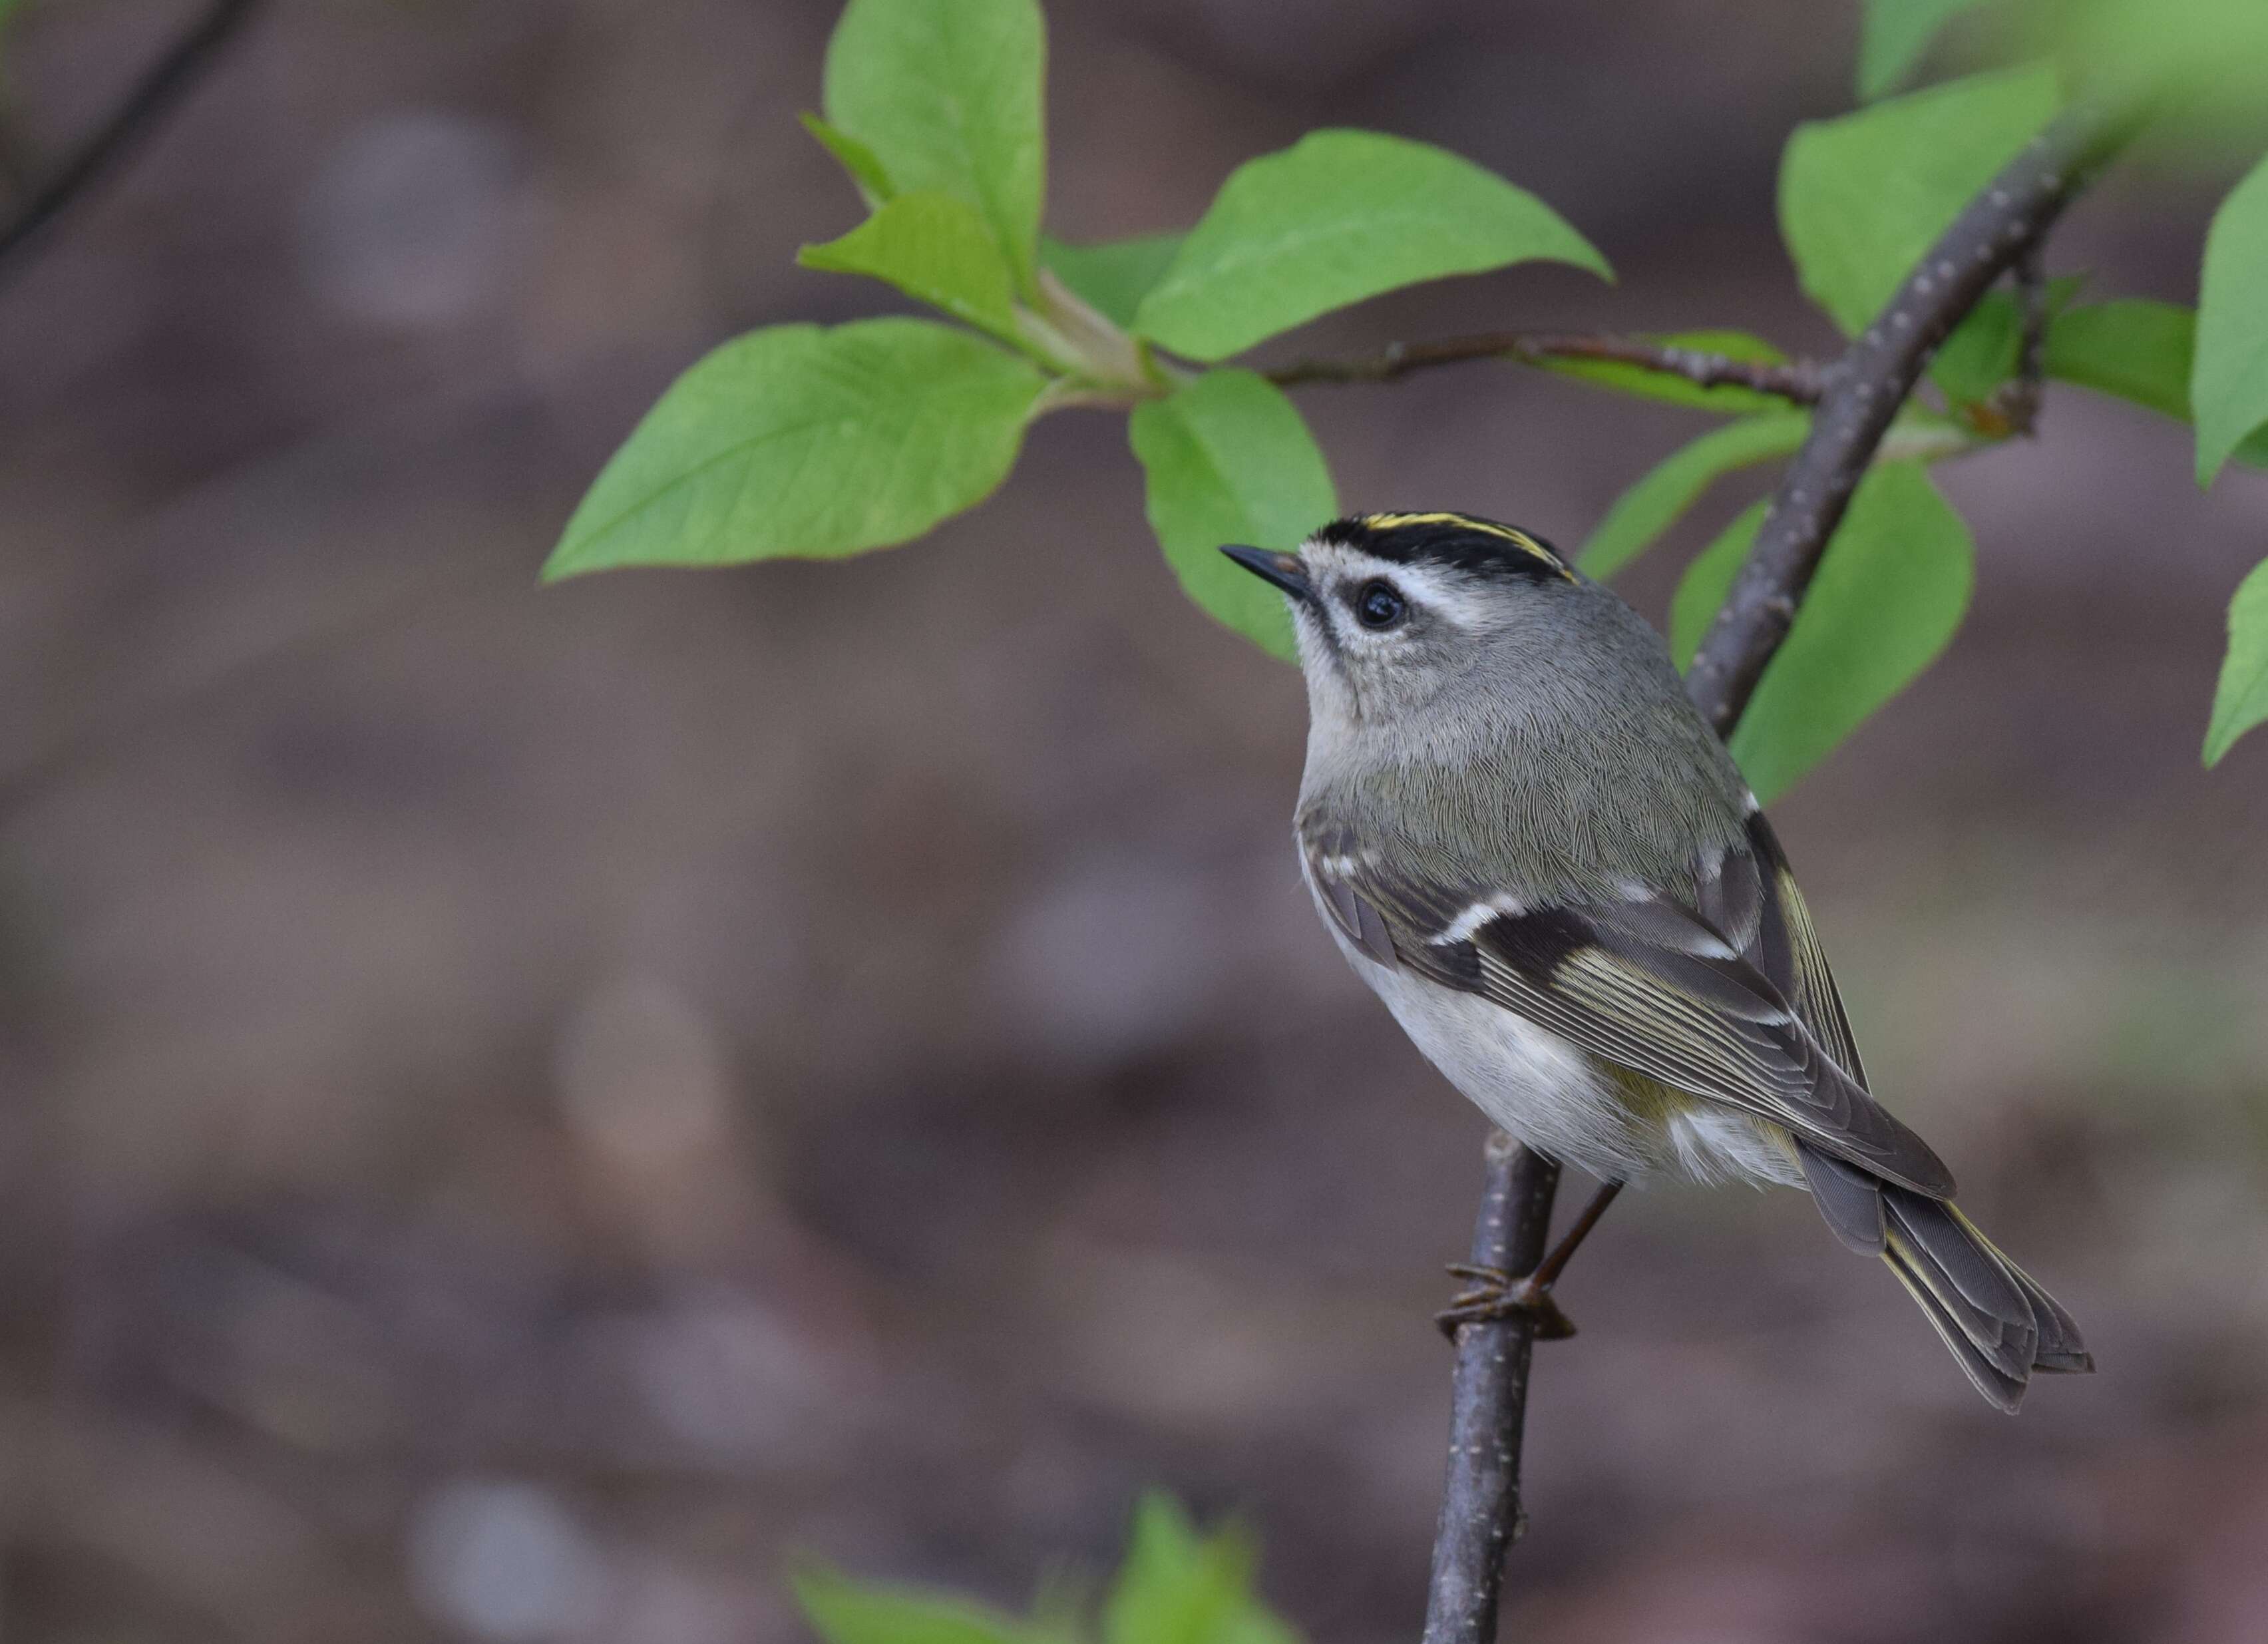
{"type": "Point", "coordinates": [1487, 528]}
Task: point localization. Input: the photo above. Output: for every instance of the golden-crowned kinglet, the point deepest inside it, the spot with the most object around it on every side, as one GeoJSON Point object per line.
{"type": "Point", "coordinates": [1534, 848]}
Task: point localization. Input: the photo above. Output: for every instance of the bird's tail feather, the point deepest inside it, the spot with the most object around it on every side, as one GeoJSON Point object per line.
{"type": "Point", "coordinates": [1999, 1324]}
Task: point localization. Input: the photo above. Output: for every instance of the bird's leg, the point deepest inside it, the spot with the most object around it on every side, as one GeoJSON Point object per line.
{"type": "Point", "coordinates": [1496, 1295]}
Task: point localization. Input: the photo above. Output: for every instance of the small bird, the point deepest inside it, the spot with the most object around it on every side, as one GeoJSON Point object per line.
{"type": "Point", "coordinates": [1534, 848]}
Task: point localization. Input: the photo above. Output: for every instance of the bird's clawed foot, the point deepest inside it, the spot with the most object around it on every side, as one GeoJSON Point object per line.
{"type": "Point", "coordinates": [1495, 1296]}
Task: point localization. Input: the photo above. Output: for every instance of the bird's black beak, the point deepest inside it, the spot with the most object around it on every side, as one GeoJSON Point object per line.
{"type": "Point", "coordinates": [1285, 571]}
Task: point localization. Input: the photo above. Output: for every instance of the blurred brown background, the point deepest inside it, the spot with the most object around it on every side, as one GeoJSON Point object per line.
{"type": "Point", "coordinates": [525, 1109]}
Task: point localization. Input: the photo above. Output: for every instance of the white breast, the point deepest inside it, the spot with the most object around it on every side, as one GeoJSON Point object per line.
{"type": "Point", "coordinates": [1530, 1083]}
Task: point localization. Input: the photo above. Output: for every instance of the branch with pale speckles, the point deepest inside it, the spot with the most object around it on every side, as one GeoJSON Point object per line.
{"type": "Point", "coordinates": [1864, 388]}
{"type": "Point", "coordinates": [1488, 1405]}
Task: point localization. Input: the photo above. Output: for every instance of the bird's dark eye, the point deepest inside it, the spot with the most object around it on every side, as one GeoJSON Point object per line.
{"type": "Point", "coordinates": [1378, 606]}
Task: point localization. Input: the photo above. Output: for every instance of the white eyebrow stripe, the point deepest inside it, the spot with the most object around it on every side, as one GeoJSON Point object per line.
{"type": "Point", "coordinates": [1337, 569]}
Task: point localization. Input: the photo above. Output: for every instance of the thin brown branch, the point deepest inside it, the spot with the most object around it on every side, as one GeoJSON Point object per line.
{"type": "Point", "coordinates": [1799, 381]}
{"type": "Point", "coordinates": [1862, 391]}
{"type": "Point", "coordinates": [151, 98]}
{"type": "Point", "coordinates": [1867, 385]}
{"type": "Point", "coordinates": [1480, 1502]}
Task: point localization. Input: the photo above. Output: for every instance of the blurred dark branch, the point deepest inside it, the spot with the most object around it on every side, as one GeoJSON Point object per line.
{"type": "Point", "coordinates": [152, 96]}
{"type": "Point", "coordinates": [1861, 391]}
{"type": "Point", "coordinates": [1799, 381]}
{"type": "Point", "coordinates": [1866, 386]}
{"type": "Point", "coordinates": [2017, 401]}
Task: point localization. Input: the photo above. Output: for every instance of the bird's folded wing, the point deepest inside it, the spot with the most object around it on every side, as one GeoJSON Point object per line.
{"type": "Point", "coordinates": [1749, 896]}
{"type": "Point", "coordinates": [1644, 982]}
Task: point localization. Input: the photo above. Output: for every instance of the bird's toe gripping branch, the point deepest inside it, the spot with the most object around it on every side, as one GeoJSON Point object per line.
{"type": "Point", "coordinates": [1496, 1296]}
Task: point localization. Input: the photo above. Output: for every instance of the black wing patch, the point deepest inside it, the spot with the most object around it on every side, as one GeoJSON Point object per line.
{"type": "Point", "coordinates": [1786, 947]}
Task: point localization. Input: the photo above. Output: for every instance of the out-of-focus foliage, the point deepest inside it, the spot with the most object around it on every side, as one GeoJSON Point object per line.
{"type": "Point", "coordinates": [863, 165]}
{"type": "Point", "coordinates": [1177, 1586]}
{"type": "Point", "coordinates": [2228, 387]}
{"type": "Point", "coordinates": [2200, 64]}
{"type": "Point", "coordinates": [796, 441]}
{"type": "Point", "coordinates": [2241, 702]}
{"type": "Point", "coordinates": [948, 97]}
{"type": "Point", "coordinates": [2137, 348]}
{"type": "Point", "coordinates": [1985, 351]}
{"type": "Point", "coordinates": [2134, 347]}
{"type": "Point", "coordinates": [1895, 34]}
{"type": "Point", "coordinates": [934, 248]}
{"type": "Point", "coordinates": [805, 440]}
{"type": "Point", "coordinates": [842, 1612]}
{"type": "Point", "coordinates": [1338, 217]}
{"type": "Point", "coordinates": [1226, 459]}
{"type": "Point", "coordinates": [1650, 507]}
{"type": "Point", "coordinates": [771, 446]}
{"type": "Point", "coordinates": [1113, 277]}
{"type": "Point", "coordinates": [1886, 600]}
{"type": "Point", "coordinates": [1862, 198]}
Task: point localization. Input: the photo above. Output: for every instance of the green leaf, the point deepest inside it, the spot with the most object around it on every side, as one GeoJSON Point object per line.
{"type": "Point", "coordinates": [1863, 197]}
{"type": "Point", "coordinates": [1888, 594]}
{"type": "Point", "coordinates": [1227, 459]}
{"type": "Point", "coordinates": [946, 95]}
{"type": "Point", "coordinates": [2200, 65]}
{"type": "Point", "coordinates": [801, 441]}
{"type": "Point", "coordinates": [2132, 347]}
{"type": "Point", "coordinates": [842, 1612]}
{"type": "Point", "coordinates": [931, 247]}
{"type": "Point", "coordinates": [863, 165]}
{"type": "Point", "coordinates": [1983, 352]}
{"type": "Point", "coordinates": [1179, 1588]}
{"type": "Point", "coordinates": [1895, 35]}
{"type": "Point", "coordinates": [2241, 702]}
{"type": "Point", "coordinates": [2229, 383]}
{"type": "Point", "coordinates": [1338, 217]}
{"type": "Point", "coordinates": [1111, 278]}
{"type": "Point", "coordinates": [1650, 507]}
{"type": "Point", "coordinates": [1625, 377]}
{"type": "Point", "coordinates": [2138, 350]}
